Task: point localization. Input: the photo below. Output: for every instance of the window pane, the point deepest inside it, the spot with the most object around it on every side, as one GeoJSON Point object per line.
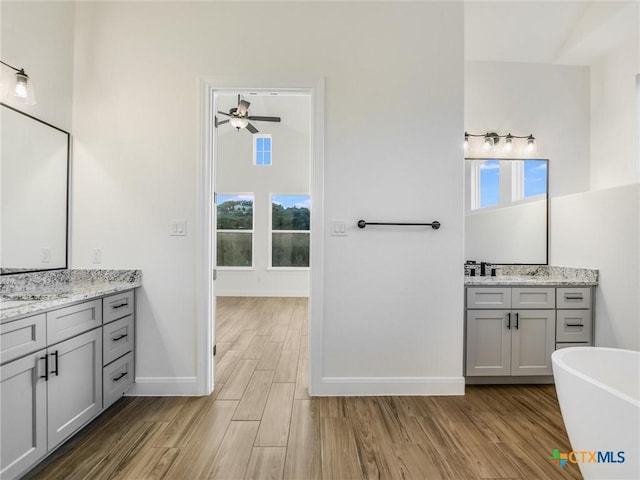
{"type": "Point", "coordinates": [266, 144]}
{"type": "Point", "coordinates": [234, 249]}
{"type": "Point", "coordinates": [259, 143]}
{"type": "Point", "coordinates": [489, 183]}
{"type": "Point", "coordinates": [535, 177]}
{"type": "Point", "coordinates": [234, 212]}
{"type": "Point", "coordinates": [290, 212]}
{"type": "Point", "coordinates": [259, 158]}
{"type": "Point", "coordinates": [266, 158]}
{"type": "Point", "coordinates": [290, 250]}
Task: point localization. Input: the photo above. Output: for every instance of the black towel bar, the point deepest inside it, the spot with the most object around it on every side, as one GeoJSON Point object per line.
{"type": "Point", "coordinates": [435, 224]}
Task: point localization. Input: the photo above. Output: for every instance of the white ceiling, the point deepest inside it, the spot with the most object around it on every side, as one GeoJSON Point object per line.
{"type": "Point", "coordinates": [557, 32]}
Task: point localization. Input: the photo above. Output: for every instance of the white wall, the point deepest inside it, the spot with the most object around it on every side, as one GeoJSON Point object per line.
{"type": "Point", "coordinates": [507, 234]}
{"type": "Point", "coordinates": [289, 173]}
{"type": "Point", "coordinates": [614, 129]}
{"type": "Point", "coordinates": [599, 229]}
{"type": "Point", "coordinates": [549, 101]}
{"type": "Point", "coordinates": [38, 36]}
{"type": "Point", "coordinates": [388, 327]}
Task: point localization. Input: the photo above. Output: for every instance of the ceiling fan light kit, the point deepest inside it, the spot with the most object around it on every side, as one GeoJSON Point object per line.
{"type": "Point", "coordinates": [239, 117]}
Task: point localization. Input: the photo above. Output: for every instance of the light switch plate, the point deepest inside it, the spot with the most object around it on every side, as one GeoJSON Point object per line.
{"type": "Point", "coordinates": [338, 228]}
{"type": "Point", "coordinates": [45, 255]}
{"type": "Point", "coordinates": [178, 228]}
{"type": "Point", "coordinates": [96, 255]}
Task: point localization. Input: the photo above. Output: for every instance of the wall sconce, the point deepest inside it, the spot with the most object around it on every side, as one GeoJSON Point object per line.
{"type": "Point", "coordinates": [22, 88]}
{"type": "Point", "coordinates": [491, 140]}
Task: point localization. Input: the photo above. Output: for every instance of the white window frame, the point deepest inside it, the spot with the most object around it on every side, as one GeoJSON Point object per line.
{"type": "Point", "coordinates": [511, 185]}
{"type": "Point", "coordinates": [256, 136]}
{"type": "Point", "coordinates": [272, 231]}
{"type": "Point", "coordinates": [252, 232]}
{"type": "Point", "coordinates": [517, 183]}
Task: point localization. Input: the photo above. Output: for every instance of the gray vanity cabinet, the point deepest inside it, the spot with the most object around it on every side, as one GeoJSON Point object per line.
{"type": "Point", "coordinates": [53, 375]}
{"type": "Point", "coordinates": [23, 401]}
{"type": "Point", "coordinates": [74, 389]}
{"type": "Point", "coordinates": [509, 331]}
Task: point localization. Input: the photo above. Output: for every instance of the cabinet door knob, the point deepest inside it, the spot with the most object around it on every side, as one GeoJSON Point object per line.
{"type": "Point", "coordinates": [509, 320]}
{"type": "Point", "coordinates": [517, 320]}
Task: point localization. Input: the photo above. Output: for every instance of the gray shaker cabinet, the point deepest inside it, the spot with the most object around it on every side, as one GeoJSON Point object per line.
{"type": "Point", "coordinates": [23, 402]}
{"type": "Point", "coordinates": [514, 339]}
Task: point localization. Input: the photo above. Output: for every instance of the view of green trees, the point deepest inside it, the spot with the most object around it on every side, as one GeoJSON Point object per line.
{"type": "Point", "coordinates": [235, 215]}
{"type": "Point", "coordinates": [289, 218]}
{"type": "Point", "coordinates": [288, 249]}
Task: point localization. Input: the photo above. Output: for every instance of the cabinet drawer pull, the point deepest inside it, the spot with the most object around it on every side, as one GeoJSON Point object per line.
{"type": "Point", "coordinates": [125, 304]}
{"type": "Point", "coordinates": [573, 296]}
{"type": "Point", "coordinates": [517, 320]}
{"type": "Point", "coordinates": [46, 368]}
{"type": "Point", "coordinates": [574, 324]}
{"type": "Point", "coordinates": [117, 339]}
{"type": "Point", "coordinates": [55, 370]}
{"type": "Point", "coordinates": [118, 378]}
{"type": "Point", "coordinates": [509, 320]}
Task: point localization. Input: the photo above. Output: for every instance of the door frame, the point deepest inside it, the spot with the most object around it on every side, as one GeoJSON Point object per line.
{"type": "Point", "coordinates": [204, 285]}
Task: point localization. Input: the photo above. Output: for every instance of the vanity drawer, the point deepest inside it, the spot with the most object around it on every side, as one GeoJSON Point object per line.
{"type": "Point", "coordinates": [569, 345]}
{"type": "Point", "coordinates": [533, 298]}
{"type": "Point", "coordinates": [117, 378]}
{"type": "Point", "coordinates": [117, 339]}
{"type": "Point", "coordinates": [22, 336]}
{"type": "Point", "coordinates": [494, 297]}
{"type": "Point", "coordinates": [573, 326]}
{"type": "Point", "coordinates": [71, 321]}
{"type": "Point", "coordinates": [117, 306]}
{"type": "Point", "coordinates": [574, 297]}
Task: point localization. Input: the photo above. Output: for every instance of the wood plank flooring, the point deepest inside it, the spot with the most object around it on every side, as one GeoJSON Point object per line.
{"type": "Point", "coordinates": [260, 422]}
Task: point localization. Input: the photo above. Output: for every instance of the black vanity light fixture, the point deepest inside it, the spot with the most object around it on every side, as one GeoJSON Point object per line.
{"type": "Point", "coordinates": [491, 139]}
{"type": "Point", "coordinates": [23, 88]}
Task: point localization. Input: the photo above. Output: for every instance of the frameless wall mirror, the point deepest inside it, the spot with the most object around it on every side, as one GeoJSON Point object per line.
{"type": "Point", "coordinates": [507, 210]}
{"type": "Point", "coordinates": [34, 178]}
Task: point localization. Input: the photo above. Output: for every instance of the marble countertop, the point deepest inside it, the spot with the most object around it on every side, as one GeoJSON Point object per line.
{"type": "Point", "coordinates": [540, 275]}
{"type": "Point", "coordinates": [514, 280]}
{"type": "Point", "coordinates": [50, 290]}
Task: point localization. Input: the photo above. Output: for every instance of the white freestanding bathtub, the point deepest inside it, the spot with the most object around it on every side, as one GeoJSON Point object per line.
{"type": "Point", "coordinates": [599, 395]}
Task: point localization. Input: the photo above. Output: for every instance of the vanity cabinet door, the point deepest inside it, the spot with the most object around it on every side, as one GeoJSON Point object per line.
{"type": "Point", "coordinates": [532, 341]}
{"type": "Point", "coordinates": [75, 384]}
{"type": "Point", "coordinates": [23, 402]}
{"type": "Point", "coordinates": [488, 343]}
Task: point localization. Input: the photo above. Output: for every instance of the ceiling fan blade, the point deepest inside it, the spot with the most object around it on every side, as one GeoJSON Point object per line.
{"type": "Point", "coordinates": [264, 119]}
{"type": "Point", "coordinates": [243, 106]}
{"type": "Point", "coordinates": [251, 128]}
{"type": "Point", "coordinates": [222, 122]}
{"type": "Point", "coordinates": [222, 113]}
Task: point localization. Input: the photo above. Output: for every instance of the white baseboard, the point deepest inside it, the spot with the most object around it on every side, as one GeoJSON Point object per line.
{"type": "Point", "coordinates": [164, 387]}
{"type": "Point", "coordinates": [384, 386]}
{"type": "Point", "coordinates": [261, 293]}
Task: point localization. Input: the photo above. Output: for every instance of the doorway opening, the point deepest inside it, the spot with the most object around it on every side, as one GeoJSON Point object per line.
{"type": "Point", "coordinates": [260, 203]}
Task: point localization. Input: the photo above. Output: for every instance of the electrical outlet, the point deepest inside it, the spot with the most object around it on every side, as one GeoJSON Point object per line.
{"type": "Point", "coordinates": [45, 255]}
{"type": "Point", "coordinates": [96, 255]}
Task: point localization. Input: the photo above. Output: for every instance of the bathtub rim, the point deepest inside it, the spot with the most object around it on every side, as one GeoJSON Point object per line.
{"type": "Point", "coordinates": [557, 359]}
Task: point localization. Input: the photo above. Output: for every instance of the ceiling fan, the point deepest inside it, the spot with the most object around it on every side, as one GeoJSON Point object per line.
{"type": "Point", "coordinates": [239, 117]}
